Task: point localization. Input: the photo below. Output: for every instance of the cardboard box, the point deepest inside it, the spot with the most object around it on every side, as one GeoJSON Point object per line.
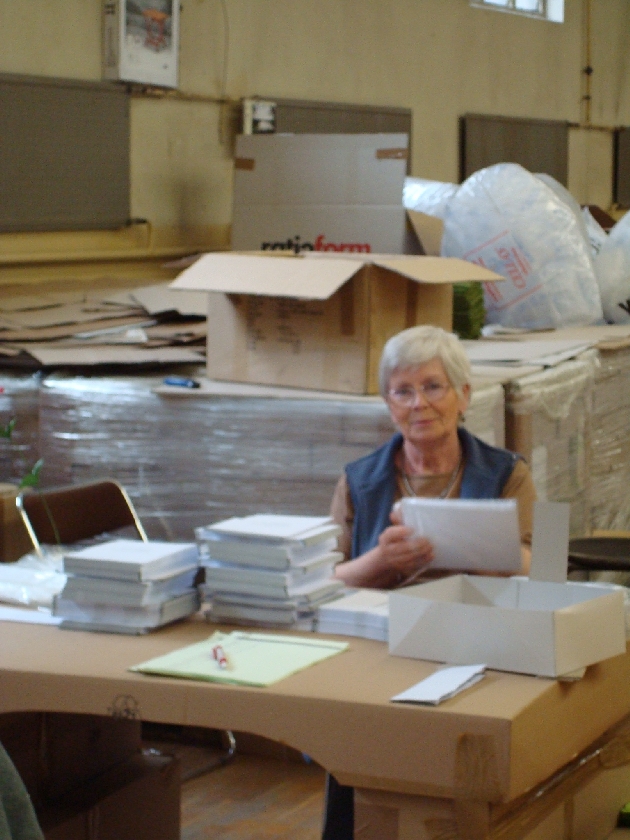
{"type": "Point", "coordinates": [56, 753]}
{"type": "Point", "coordinates": [138, 800]}
{"type": "Point", "coordinates": [510, 624]}
{"type": "Point", "coordinates": [318, 321]}
{"type": "Point", "coordinates": [321, 192]}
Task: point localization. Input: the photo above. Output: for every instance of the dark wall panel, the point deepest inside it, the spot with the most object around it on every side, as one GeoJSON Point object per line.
{"type": "Point", "coordinates": [622, 167]}
{"type": "Point", "coordinates": [305, 117]}
{"type": "Point", "coordinates": [538, 145]}
{"type": "Point", "coordinates": [64, 154]}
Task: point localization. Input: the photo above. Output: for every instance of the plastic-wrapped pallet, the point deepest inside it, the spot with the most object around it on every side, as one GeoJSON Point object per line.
{"type": "Point", "coordinates": [485, 416]}
{"type": "Point", "coordinates": [19, 401]}
{"type": "Point", "coordinates": [609, 439]}
{"type": "Point", "coordinates": [191, 461]}
{"type": "Point", "coordinates": [547, 422]}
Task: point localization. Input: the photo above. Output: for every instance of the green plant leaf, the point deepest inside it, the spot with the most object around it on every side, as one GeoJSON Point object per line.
{"type": "Point", "coordinates": [31, 479]}
{"type": "Point", "coordinates": [7, 431]}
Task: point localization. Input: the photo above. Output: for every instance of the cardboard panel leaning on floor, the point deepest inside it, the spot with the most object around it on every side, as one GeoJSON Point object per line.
{"type": "Point", "coordinates": [318, 320]}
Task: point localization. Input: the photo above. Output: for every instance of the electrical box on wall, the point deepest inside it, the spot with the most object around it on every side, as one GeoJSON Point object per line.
{"type": "Point", "coordinates": [140, 41]}
{"type": "Point", "coordinates": [259, 116]}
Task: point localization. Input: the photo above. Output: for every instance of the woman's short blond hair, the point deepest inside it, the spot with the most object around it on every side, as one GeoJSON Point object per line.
{"type": "Point", "coordinates": [418, 345]}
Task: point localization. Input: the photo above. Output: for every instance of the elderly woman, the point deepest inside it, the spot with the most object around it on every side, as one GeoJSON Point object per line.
{"type": "Point", "coordinates": [425, 381]}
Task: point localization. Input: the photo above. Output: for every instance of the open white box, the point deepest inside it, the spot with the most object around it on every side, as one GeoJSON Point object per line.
{"type": "Point", "coordinates": [510, 624]}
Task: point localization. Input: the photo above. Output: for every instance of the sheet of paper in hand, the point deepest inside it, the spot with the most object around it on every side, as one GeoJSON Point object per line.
{"type": "Point", "coordinates": [479, 535]}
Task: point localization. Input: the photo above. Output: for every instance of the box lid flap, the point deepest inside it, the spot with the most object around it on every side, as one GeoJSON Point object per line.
{"type": "Point", "coordinates": [314, 276]}
{"type": "Point", "coordinates": [428, 229]}
{"type": "Point", "coordinates": [436, 269]}
{"type": "Point", "coordinates": [253, 274]}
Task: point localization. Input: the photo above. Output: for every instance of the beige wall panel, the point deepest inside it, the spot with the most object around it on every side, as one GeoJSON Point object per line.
{"type": "Point", "coordinates": [591, 166]}
{"type": "Point", "coordinates": [51, 38]}
{"type": "Point", "coordinates": [181, 174]}
{"type": "Point", "coordinates": [610, 60]}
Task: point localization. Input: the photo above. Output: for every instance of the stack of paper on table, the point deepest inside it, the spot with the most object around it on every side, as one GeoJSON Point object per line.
{"type": "Point", "coordinates": [361, 612]}
{"type": "Point", "coordinates": [268, 568]}
{"type": "Point", "coordinates": [128, 586]}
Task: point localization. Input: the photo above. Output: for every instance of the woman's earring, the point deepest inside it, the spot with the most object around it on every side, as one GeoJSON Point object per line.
{"type": "Point", "coordinates": [461, 417]}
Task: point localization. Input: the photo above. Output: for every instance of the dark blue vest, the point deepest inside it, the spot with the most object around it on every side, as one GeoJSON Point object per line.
{"type": "Point", "coordinates": [372, 483]}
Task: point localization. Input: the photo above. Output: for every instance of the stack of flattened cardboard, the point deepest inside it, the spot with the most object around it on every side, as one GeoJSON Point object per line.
{"type": "Point", "coordinates": [146, 326]}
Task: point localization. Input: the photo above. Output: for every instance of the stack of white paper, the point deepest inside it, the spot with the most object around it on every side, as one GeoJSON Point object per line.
{"type": "Point", "coordinates": [361, 612]}
{"type": "Point", "coordinates": [128, 586]}
{"type": "Point", "coordinates": [268, 568]}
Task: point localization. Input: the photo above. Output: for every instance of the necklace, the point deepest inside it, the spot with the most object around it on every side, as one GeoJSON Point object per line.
{"type": "Point", "coordinates": [447, 489]}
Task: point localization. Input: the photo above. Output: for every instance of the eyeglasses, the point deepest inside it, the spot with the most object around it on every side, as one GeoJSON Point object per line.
{"type": "Point", "coordinates": [407, 396]}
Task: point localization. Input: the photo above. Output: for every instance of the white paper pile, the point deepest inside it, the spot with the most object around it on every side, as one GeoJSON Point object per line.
{"type": "Point", "coordinates": [268, 568]}
{"type": "Point", "coordinates": [128, 586]}
{"type": "Point", "coordinates": [362, 612]}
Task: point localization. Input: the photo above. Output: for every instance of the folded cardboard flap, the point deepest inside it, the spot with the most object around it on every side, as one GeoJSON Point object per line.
{"type": "Point", "coordinates": [428, 230]}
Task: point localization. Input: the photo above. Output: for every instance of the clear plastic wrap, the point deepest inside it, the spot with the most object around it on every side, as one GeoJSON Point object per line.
{"type": "Point", "coordinates": [485, 416]}
{"type": "Point", "coordinates": [19, 401]}
{"type": "Point", "coordinates": [612, 266]}
{"type": "Point", "coordinates": [508, 220]}
{"type": "Point", "coordinates": [547, 422]}
{"type": "Point", "coordinates": [33, 581]}
{"type": "Point", "coordinates": [194, 460]}
{"type": "Point", "coordinates": [431, 197]}
{"type": "Point", "coordinates": [609, 442]}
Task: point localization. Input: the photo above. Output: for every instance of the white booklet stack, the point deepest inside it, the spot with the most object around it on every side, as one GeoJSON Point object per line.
{"type": "Point", "coordinates": [360, 612]}
{"type": "Point", "coordinates": [268, 569]}
{"type": "Point", "coordinates": [128, 586]}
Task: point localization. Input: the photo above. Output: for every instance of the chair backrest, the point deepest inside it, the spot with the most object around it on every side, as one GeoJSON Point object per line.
{"type": "Point", "coordinates": [79, 512]}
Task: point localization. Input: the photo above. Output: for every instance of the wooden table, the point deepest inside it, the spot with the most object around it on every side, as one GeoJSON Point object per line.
{"type": "Point", "coordinates": [471, 763]}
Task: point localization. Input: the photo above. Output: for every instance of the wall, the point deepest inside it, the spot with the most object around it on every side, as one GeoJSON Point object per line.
{"type": "Point", "coordinates": [440, 58]}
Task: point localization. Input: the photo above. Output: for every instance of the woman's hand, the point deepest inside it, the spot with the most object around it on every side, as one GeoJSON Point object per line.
{"type": "Point", "coordinates": [397, 557]}
{"type": "Point", "coordinates": [401, 551]}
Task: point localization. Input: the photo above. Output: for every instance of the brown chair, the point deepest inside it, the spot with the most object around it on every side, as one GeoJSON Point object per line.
{"type": "Point", "coordinates": [79, 512]}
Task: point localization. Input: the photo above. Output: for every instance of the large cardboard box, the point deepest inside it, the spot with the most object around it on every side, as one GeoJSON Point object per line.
{"type": "Point", "coordinates": [510, 624]}
{"type": "Point", "coordinates": [318, 320]}
{"type": "Point", "coordinates": [321, 192]}
{"type": "Point", "coordinates": [55, 753]}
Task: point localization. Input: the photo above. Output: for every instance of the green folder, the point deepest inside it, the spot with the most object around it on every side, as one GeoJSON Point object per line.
{"type": "Point", "coordinates": [258, 659]}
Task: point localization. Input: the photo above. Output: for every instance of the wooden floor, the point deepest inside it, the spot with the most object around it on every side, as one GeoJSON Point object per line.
{"type": "Point", "coordinates": [254, 798]}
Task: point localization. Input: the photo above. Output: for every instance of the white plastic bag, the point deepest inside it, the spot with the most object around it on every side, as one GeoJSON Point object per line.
{"type": "Point", "coordinates": [564, 195]}
{"type": "Point", "coordinates": [612, 266]}
{"type": "Point", "coordinates": [431, 197]}
{"type": "Point", "coordinates": [595, 232]}
{"type": "Point", "coordinates": [508, 220]}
